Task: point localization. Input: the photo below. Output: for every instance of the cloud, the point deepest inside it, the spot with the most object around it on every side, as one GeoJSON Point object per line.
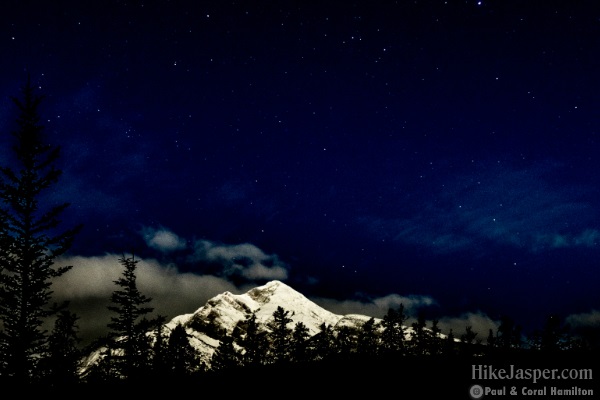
{"type": "Point", "coordinates": [163, 239]}
{"type": "Point", "coordinates": [244, 260]}
{"type": "Point", "coordinates": [584, 320]}
{"type": "Point", "coordinates": [479, 322]}
{"type": "Point", "coordinates": [90, 283]}
{"type": "Point", "coordinates": [587, 238]}
{"type": "Point", "coordinates": [377, 307]}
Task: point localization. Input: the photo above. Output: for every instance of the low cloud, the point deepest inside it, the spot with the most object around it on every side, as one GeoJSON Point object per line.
{"type": "Point", "coordinates": [587, 238]}
{"type": "Point", "coordinates": [479, 322]}
{"type": "Point", "coordinates": [377, 307]}
{"type": "Point", "coordinates": [90, 283]}
{"type": "Point", "coordinates": [245, 260]}
{"type": "Point", "coordinates": [163, 239]}
{"type": "Point", "coordinates": [584, 320]}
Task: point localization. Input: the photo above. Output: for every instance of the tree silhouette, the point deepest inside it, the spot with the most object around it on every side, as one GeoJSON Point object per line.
{"type": "Point", "coordinates": [299, 343]}
{"type": "Point", "coordinates": [393, 334]}
{"type": "Point", "coordinates": [421, 336]}
{"type": "Point", "coordinates": [322, 344]}
{"type": "Point", "coordinates": [508, 336]}
{"type": "Point", "coordinates": [181, 357]}
{"type": "Point", "coordinates": [280, 335]}
{"type": "Point", "coordinates": [255, 343]}
{"type": "Point", "coordinates": [63, 358]}
{"type": "Point", "coordinates": [129, 327]}
{"type": "Point", "coordinates": [553, 337]}
{"type": "Point", "coordinates": [449, 345]}
{"type": "Point", "coordinates": [225, 357]}
{"type": "Point", "coordinates": [368, 340]}
{"type": "Point", "coordinates": [469, 342]}
{"type": "Point", "coordinates": [491, 339]}
{"type": "Point", "coordinates": [345, 343]}
{"type": "Point", "coordinates": [435, 339]}
{"type": "Point", "coordinates": [29, 242]}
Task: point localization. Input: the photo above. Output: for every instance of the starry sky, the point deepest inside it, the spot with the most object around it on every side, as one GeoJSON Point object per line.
{"type": "Point", "coordinates": [439, 154]}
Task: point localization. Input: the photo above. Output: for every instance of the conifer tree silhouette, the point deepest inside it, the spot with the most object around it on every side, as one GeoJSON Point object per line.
{"type": "Point", "coordinates": [63, 358]}
{"type": "Point", "coordinates": [299, 343]}
{"type": "Point", "coordinates": [181, 357]}
{"type": "Point", "coordinates": [280, 335]}
{"type": "Point", "coordinates": [225, 357]}
{"type": "Point", "coordinates": [29, 242]}
{"type": "Point", "coordinates": [393, 335]}
{"type": "Point", "coordinates": [129, 327]}
{"type": "Point", "coordinates": [322, 344]}
{"type": "Point", "coordinates": [368, 339]}
{"type": "Point", "coordinates": [255, 343]}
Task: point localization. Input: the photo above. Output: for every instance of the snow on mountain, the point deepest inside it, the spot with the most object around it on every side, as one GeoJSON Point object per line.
{"type": "Point", "coordinates": [227, 309]}
{"type": "Point", "coordinates": [223, 312]}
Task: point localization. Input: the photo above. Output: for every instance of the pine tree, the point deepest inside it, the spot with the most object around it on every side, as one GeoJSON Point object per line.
{"type": "Point", "coordinates": [322, 344]}
{"type": "Point", "coordinates": [62, 360]}
{"type": "Point", "coordinates": [105, 370]}
{"type": "Point", "coordinates": [435, 341]}
{"type": "Point", "coordinates": [420, 337]}
{"type": "Point", "coordinates": [181, 357]}
{"type": "Point", "coordinates": [29, 242]}
{"type": "Point", "coordinates": [491, 339]}
{"type": "Point", "coordinates": [255, 343]}
{"type": "Point", "coordinates": [393, 339]}
{"type": "Point", "coordinates": [345, 343]}
{"type": "Point", "coordinates": [299, 343]}
{"type": "Point", "coordinates": [554, 335]}
{"type": "Point", "coordinates": [368, 341]}
{"type": "Point", "coordinates": [469, 341]}
{"type": "Point", "coordinates": [225, 357]}
{"type": "Point", "coordinates": [280, 335]}
{"type": "Point", "coordinates": [449, 346]}
{"type": "Point", "coordinates": [130, 344]}
{"type": "Point", "coordinates": [159, 348]}
{"type": "Point", "coordinates": [504, 333]}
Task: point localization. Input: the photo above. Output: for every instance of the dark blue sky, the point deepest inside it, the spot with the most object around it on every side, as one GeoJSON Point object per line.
{"type": "Point", "coordinates": [447, 149]}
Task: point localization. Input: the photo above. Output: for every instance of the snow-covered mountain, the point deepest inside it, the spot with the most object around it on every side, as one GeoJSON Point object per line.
{"type": "Point", "coordinates": [222, 313]}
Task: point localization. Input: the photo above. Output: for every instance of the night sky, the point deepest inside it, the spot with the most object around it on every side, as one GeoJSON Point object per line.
{"type": "Point", "coordinates": [440, 154]}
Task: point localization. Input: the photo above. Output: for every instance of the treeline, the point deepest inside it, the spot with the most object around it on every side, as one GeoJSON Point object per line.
{"type": "Point", "coordinates": [279, 347]}
{"type": "Point", "coordinates": [143, 350]}
{"type": "Point", "coordinates": [389, 338]}
{"type": "Point", "coordinates": [151, 351]}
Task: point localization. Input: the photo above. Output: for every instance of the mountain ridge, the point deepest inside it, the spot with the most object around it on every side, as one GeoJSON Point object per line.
{"type": "Point", "coordinates": [220, 315]}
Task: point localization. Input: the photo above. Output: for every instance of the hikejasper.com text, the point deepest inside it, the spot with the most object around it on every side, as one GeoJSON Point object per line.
{"type": "Point", "coordinates": [485, 372]}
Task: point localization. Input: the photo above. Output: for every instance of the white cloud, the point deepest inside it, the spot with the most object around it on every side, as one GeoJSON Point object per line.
{"type": "Point", "coordinates": [244, 259]}
{"type": "Point", "coordinates": [163, 239]}
{"type": "Point", "coordinates": [259, 271]}
{"type": "Point", "coordinates": [90, 283]}
{"type": "Point", "coordinates": [479, 322]}
{"type": "Point", "coordinates": [377, 307]}
{"type": "Point", "coordinates": [584, 320]}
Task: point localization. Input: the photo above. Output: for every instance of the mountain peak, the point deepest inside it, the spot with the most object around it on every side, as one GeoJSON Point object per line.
{"type": "Point", "coordinates": [264, 294]}
{"type": "Point", "coordinates": [227, 309]}
{"type": "Point", "coordinates": [223, 312]}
